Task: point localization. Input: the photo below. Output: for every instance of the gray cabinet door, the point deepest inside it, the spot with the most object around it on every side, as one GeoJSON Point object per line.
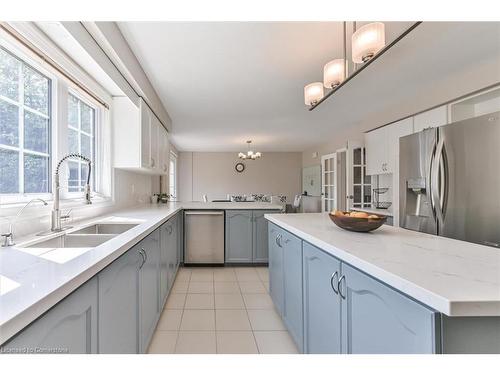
{"type": "Point", "coordinates": [149, 289]}
{"type": "Point", "coordinates": [260, 234]}
{"type": "Point", "coordinates": [165, 248]}
{"type": "Point", "coordinates": [378, 319]}
{"type": "Point", "coordinates": [239, 233]}
{"type": "Point", "coordinates": [119, 305]}
{"type": "Point", "coordinates": [322, 306]}
{"type": "Point", "coordinates": [292, 278]}
{"type": "Point", "coordinates": [276, 282]}
{"type": "Point", "coordinates": [172, 251]}
{"type": "Point", "coordinates": [169, 256]}
{"type": "Point", "coordinates": [180, 238]}
{"type": "Point", "coordinates": [69, 327]}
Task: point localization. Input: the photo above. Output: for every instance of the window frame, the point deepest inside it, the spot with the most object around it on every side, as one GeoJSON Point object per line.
{"type": "Point", "coordinates": [25, 59]}
{"type": "Point", "coordinates": [59, 89]}
{"type": "Point", "coordinates": [94, 145]}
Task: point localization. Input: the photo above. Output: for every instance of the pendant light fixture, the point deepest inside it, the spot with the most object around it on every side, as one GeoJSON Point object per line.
{"type": "Point", "coordinates": [334, 72]}
{"type": "Point", "coordinates": [250, 155]}
{"type": "Point", "coordinates": [367, 45]}
{"type": "Point", "coordinates": [313, 93]}
{"type": "Point", "coordinates": [367, 41]}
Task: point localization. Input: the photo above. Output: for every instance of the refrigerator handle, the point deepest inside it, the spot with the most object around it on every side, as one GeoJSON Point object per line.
{"type": "Point", "coordinates": [443, 183]}
{"type": "Point", "coordinates": [437, 189]}
{"type": "Point", "coordinates": [428, 182]}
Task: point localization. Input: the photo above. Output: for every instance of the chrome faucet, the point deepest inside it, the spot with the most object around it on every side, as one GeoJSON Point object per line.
{"type": "Point", "coordinates": [56, 213]}
{"type": "Point", "coordinates": [9, 236]}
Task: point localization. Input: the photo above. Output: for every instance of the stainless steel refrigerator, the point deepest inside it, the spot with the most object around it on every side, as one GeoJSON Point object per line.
{"type": "Point", "coordinates": [450, 180]}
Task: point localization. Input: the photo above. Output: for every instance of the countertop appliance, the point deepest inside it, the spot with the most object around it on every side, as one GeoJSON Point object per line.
{"type": "Point", "coordinates": [449, 182]}
{"type": "Point", "coordinates": [204, 237]}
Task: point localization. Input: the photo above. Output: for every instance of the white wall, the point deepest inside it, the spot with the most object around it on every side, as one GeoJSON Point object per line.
{"type": "Point", "coordinates": [213, 173]}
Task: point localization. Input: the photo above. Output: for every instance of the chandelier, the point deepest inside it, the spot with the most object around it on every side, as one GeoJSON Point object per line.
{"type": "Point", "coordinates": [250, 155]}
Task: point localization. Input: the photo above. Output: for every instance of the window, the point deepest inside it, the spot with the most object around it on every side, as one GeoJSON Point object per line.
{"type": "Point", "coordinates": [173, 176]}
{"type": "Point", "coordinates": [43, 117]}
{"type": "Point", "coordinates": [81, 140]}
{"type": "Point", "coordinates": [25, 123]}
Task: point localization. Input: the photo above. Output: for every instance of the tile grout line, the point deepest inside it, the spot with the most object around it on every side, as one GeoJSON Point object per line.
{"type": "Point", "coordinates": [182, 315]}
{"type": "Point", "coordinates": [249, 321]}
{"type": "Point", "coordinates": [215, 313]}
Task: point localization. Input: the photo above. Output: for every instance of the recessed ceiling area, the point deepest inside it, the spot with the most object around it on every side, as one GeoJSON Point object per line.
{"type": "Point", "coordinates": [225, 82]}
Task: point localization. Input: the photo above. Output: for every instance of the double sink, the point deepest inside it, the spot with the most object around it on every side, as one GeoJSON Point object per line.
{"type": "Point", "coordinates": [90, 236]}
{"type": "Point", "coordinates": [69, 245]}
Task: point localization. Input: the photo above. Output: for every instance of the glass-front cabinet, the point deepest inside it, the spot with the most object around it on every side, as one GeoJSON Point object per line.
{"type": "Point", "coordinates": [361, 184]}
{"type": "Point", "coordinates": [329, 182]}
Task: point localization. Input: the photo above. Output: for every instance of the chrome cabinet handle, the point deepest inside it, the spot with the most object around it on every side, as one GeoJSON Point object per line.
{"type": "Point", "coordinates": [152, 162]}
{"type": "Point", "coordinates": [334, 276]}
{"type": "Point", "coordinates": [278, 240]}
{"type": "Point", "coordinates": [169, 229]}
{"type": "Point", "coordinates": [340, 285]}
{"type": "Point", "coordinates": [143, 257]}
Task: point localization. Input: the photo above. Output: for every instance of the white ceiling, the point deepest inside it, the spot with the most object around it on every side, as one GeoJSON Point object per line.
{"type": "Point", "coordinates": [223, 83]}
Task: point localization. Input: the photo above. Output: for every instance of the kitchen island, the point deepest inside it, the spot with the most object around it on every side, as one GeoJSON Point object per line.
{"type": "Point", "coordinates": [38, 280]}
{"type": "Point", "coordinates": [391, 290]}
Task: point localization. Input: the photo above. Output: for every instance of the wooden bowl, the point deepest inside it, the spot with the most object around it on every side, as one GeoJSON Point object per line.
{"type": "Point", "coordinates": [357, 224]}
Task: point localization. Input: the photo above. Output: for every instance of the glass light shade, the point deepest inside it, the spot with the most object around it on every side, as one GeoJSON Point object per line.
{"type": "Point", "coordinates": [367, 41]}
{"type": "Point", "coordinates": [334, 73]}
{"type": "Point", "coordinates": [313, 93]}
{"type": "Point", "coordinates": [241, 155]}
{"type": "Point", "coordinates": [258, 154]}
{"type": "Point", "coordinates": [249, 153]}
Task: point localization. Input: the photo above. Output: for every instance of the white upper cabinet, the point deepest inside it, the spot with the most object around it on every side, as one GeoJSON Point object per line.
{"type": "Point", "coordinates": [164, 151]}
{"type": "Point", "coordinates": [145, 120]}
{"type": "Point", "coordinates": [140, 140]}
{"type": "Point", "coordinates": [431, 119]}
{"type": "Point", "coordinates": [376, 153]}
{"type": "Point", "coordinates": [395, 131]}
{"type": "Point", "coordinates": [382, 146]}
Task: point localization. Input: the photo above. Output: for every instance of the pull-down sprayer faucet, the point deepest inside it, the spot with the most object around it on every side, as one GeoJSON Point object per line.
{"type": "Point", "coordinates": [56, 213]}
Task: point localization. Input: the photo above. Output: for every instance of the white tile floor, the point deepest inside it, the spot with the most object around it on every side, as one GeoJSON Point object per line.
{"type": "Point", "coordinates": [221, 310]}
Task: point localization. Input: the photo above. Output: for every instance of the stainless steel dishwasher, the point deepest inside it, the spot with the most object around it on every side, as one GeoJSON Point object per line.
{"type": "Point", "coordinates": [204, 237]}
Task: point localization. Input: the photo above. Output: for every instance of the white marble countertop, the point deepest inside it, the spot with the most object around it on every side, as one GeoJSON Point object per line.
{"type": "Point", "coordinates": [454, 277]}
{"type": "Point", "coordinates": [31, 284]}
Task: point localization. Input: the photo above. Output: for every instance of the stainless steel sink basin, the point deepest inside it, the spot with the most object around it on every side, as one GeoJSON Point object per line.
{"type": "Point", "coordinates": [73, 240]}
{"type": "Point", "coordinates": [105, 228]}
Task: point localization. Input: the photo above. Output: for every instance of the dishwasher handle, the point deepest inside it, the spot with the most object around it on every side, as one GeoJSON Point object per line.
{"type": "Point", "coordinates": [204, 213]}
